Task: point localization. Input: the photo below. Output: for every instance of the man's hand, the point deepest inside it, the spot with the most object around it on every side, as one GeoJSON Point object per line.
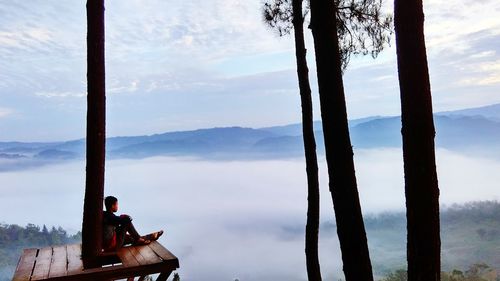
{"type": "Point", "coordinates": [126, 216]}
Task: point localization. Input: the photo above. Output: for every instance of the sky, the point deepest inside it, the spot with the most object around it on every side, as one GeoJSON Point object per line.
{"type": "Point", "coordinates": [185, 64]}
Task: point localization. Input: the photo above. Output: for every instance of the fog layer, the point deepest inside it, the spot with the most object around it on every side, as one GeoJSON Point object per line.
{"type": "Point", "coordinates": [233, 219]}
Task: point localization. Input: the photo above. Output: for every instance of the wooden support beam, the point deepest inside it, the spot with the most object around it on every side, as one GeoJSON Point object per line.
{"type": "Point", "coordinates": [163, 276]}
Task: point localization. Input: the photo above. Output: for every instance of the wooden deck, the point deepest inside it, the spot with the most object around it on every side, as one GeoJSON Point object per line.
{"type": "Point", "coordinates": [65, 263]}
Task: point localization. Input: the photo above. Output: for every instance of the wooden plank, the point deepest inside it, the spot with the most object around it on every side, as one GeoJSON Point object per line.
{"type": "Point", "coordinates": [74, 256]}
{"type": "Point", "coordinates": [161, 251]}
{"type": "Point", "coordinates": [25, 265]}
{"type": "Point", "coordinates": [42, 264]}
{"type": "Point", "coordinates": [59, 263]}
{"type": "Point", "coordinates": [138, 256]}
{"type": "Point", "coordinates": [148, 254]}
{"type": "Point", "coordinates": [127, 257]}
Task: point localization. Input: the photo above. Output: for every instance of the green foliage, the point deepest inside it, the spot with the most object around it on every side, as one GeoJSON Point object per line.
{"type": "Point", "coordinates": [470, 233]}
{"type": "Point", "coordinates": [398, 275]}
{"type": "Point", "coordinates": [278, 15]}
{"type": "Point", "coordinates": [14, 238]}
{"type": "Point", "coordinates": [475, 272]}
{"type": "Point", "coordinates": [361, 27]}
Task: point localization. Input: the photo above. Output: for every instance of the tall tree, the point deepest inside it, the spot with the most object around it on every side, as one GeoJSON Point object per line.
{"type": "Point", "coordinates": [339, 154]}
{"type": "Point", "coordinates": [96, 137]}
{"type": "Point", "coordinates": [421, 185]}
{"type": "Point", "coordinates": [313, 205]}
{"type": "Point", "coordinates": [361, 29]}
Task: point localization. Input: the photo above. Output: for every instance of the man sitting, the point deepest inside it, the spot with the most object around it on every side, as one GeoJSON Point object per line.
{"type": "Point", "coordinates": [119, 230]}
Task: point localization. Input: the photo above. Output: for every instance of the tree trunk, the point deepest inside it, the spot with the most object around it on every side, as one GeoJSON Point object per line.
{"type": "Point", "coordinates": [339, 154]}
{"type": "Point", "coordinates": [96, 113]}
{"type": "Point", "coordinates": [421, 186]}
{"type": "Point", "coordinates": [312, 226]}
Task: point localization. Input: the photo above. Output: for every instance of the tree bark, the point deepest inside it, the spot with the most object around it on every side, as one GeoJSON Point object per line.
{"type": "Point", "coordinates": [339, 154]}
{"type": "Point", "coordinates": [421, 184]}
{"type": "Point", "coordinates": [96, 115]}
{"type": "Point", "coordinates": [312, 225]}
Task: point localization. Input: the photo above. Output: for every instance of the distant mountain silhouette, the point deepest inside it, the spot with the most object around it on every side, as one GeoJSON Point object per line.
{"type": "Point", "coordinates": [490, 111]}
{"type": "Point", "coordinates": [56, 154]}
{"type": "Point", "coordinates": [11, 156]}
{"type": "Point", "coordinates": [475, 130]}
{"type": "Point", "coordinates": [466, 134]}
{"type": "Point", "coordinates": [203, 141]}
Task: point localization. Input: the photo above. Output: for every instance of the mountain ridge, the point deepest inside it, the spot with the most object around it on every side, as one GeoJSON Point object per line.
{"type": "Point", "coordinates": [463, 130]}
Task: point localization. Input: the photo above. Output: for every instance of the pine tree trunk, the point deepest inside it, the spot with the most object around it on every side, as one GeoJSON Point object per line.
{"type": "Point", "coordinates": [312, 226]}
{"type": "Point", "coordinates": [339, 154]}
{"type": "Point", "coordinates": [96, 111]}
{"type": "Point", "coordinates": [421, 185]}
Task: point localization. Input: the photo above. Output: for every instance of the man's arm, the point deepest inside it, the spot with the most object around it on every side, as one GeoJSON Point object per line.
{"type": "Point", "coordinates": [113, 219]}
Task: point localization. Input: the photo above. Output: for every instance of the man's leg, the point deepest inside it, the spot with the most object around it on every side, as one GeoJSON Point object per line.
{"type": "Point", "coordinates": [128, 239]}
{"type": "Point", "coordinates": [120, 237]}
{"type": "Point", "coordinates": [127, 234]}
{"type": "Point", "coordinates": [129, 227]}
{"type": "Point", "coordinates": [123, 238]}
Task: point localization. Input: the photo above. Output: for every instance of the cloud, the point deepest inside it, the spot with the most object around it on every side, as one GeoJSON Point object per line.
{"type": "Point", "coordinates": [462, 40]}
{"type": "Point", "coordinates": [448, 25]}
{"type": "Point", "coordinates": [4, 112]}
{"type": "Point", "coordinates": [251, 213]}
{"type": "Point", "coordinates": [482, 69]}
{"type": "Point", "coordinates": [491, 79]}
{"type": "Point", "coordinates": [485, 54]}
{"type": "Point", "coordinates": [118, 87]}
{"type": "Point", "coordinates": [60, 94]}
{"type": "Point", "coordinates": [201, 31]}
{"type": "Point", "coordinates": [25, 39]}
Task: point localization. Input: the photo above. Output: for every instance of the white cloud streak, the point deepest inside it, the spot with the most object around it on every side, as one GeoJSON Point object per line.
{"type": "Point", "coordinates": [60, 94]}
{"type": "Point", "coordinates": [4, 112]}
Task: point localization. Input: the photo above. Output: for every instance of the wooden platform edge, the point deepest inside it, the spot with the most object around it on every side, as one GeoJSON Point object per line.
{"type": "Point", "coordinates": [163, 263]}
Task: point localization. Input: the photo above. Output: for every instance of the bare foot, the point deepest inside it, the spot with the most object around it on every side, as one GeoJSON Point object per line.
{"type": "Point", "coordinates": [155, 235]}
{"type": "Point", "coordinates": [142, 241]}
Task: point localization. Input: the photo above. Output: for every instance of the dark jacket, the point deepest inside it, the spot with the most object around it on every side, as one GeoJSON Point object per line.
{"type": "Point", "coordinates": [110, 222]}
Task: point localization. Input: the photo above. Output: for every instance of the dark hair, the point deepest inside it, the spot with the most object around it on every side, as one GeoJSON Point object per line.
{"type": "Point", "coordinates": [109, 202]}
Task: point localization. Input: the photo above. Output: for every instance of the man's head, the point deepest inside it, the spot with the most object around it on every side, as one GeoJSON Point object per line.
{"type": "Point", "coordinates": [111, 203]}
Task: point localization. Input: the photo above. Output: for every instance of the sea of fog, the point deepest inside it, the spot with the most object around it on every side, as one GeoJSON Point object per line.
{"type": "Point", "coordinates": [232, 219]}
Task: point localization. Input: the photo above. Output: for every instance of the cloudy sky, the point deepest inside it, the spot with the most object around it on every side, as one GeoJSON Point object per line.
{"type": "Point", "coordinates": [185, 64]}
